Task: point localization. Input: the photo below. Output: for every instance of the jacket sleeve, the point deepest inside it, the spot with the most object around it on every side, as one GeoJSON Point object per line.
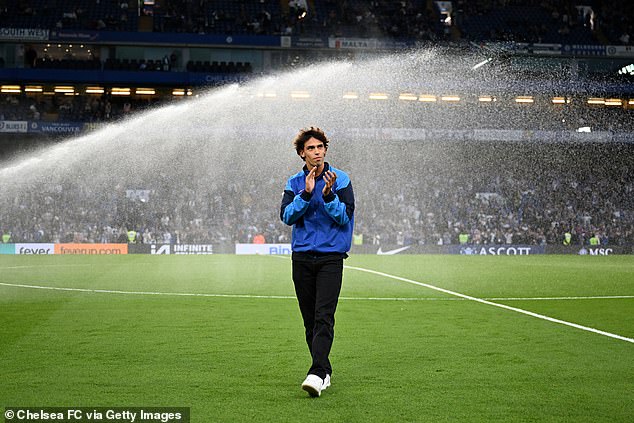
{"type": "Point", "coordinates": [293, 206]}
{"type": "Point", "coordinates": [340, 205]}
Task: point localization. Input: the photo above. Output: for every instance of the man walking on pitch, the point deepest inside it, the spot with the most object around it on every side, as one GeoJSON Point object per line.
{"type": "Point", "coordinates": [319, 202]}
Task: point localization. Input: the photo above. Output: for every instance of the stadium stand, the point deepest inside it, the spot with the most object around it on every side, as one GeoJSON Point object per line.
{"type": "Point", "coordinates": [567, 22]}
{"type": "Point", "coordinates": [513, 205]}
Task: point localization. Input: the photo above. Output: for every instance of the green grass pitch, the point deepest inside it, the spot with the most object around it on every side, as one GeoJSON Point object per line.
{"type": "Point", "coordinates": [402, 352]}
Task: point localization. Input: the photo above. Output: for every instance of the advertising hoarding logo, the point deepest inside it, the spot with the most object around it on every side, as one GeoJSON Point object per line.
{"type": "Point", "coordinates": [192, 249]}
{"type": "Point", "coordinates": [93, 249]}
{"type": "Point", "coordinates": [34, 248]}
{"type": "Point", "coordinates": [264, 249]}
{"type": "Point", "coordinates": [160, 249]}
{"type": "Point", "coordinates": [24, 34]}
{"type": "Point", "coordinates": [182, 249]}
{"type": "Point", "coordinates": [380, 252]}
{"type": "Point", "coordinates": [14, 126]}
{"type": "Point", "coordinates": [596, 251]}
{"type": "Point", "coordinates": [497, 250]}
{"type": "Point", "coordinates": [66, 128]}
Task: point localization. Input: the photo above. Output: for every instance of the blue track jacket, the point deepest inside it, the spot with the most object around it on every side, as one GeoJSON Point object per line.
{"type": "Point", "coordinates": [320, 224]}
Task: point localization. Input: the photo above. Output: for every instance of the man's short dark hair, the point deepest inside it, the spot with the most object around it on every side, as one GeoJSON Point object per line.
{"type": "Point", "coordinates": [306, 134]}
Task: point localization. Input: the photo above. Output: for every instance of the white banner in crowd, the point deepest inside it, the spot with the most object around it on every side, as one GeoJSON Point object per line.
{"type": "Point", "coordinates": [24, 34]}
{"type": "Point", "coordinates": [14, 126]}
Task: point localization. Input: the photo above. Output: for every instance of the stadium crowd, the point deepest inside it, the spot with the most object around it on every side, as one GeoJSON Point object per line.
{"type": "Point", "coordinates": [506, 200]}
{"type": "Point", "coordinates": [495, 193]}
{"type": "Point", "coordinates": [80, 108]}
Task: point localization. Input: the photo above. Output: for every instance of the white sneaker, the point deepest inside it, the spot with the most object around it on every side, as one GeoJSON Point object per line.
{"type": "Point", "coordinates": [313, 385]}
{"type": "Point", "coordinates": [326, 383]}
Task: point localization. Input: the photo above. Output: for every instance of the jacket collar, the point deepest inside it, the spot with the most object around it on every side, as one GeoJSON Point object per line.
{"type": "Point", "coordinates": [326, 168]}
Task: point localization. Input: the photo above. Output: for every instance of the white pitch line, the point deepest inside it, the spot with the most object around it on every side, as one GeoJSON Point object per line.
{"type": "Point", "coordinates": [195, 294]}
{"type": "Point", "coordinates": [591, 297]}
{"type": "Point", "coordinates": [114, 291]}
{"type": "Point", "coordinates": [446, 291]}
{"type": "Point", "coordinates": [292, 297]}
{"type": "Point", "coordinates": [487, 302]}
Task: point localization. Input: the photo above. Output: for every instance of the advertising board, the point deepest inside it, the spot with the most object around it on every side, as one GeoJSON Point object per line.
{"type": "Point", "coordinates": [7, 248]}
{"type": "Point", "coordinates": [497, 250]}
{"type": "Point", "coordinates": [263, 249]}
{"type": "Point", "coordinates": [62, 128]}
{"type": "Point", "coordinates": [35, 249]}
{"type": "Point", "coordinates": [589, 250]}
{"type": "Point", "coordinates": [23, 34]}
{"type": "Point", "coordinates": [91, 249]}
{"type": "Point", "coordinates": [481, 250]}
{"type": "Point", "coordinates": [191, 249]}
{"type": "Point", "coordinates": [14, 126]}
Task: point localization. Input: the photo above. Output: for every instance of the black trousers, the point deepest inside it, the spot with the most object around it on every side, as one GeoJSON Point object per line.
{"type": "Point", "coordinates": [317, 282]}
